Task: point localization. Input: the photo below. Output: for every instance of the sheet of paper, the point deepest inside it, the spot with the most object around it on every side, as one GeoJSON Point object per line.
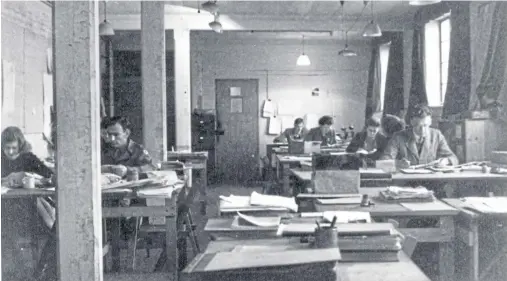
{"type": "Point", "coordinates": [257, 199]}
{"type": "Point", "coordinates": [428, 206]}
{"type": "Point", "coordinates": [260, 221]}
{"type": "Point", "coordinates": [48, 103]}
{"type": "Point", "coordinates": [165, 192]}
{"type": "Point", "coordinates": [232, 201]}
{"type": "Point", "coordinates": [340, 201]}
{"type": "Point", "coordinates": [346, 216]}
{"type": "Point", "coordinates": [486, 204]}
{"type": "Point", "coordinates": [416, 171]}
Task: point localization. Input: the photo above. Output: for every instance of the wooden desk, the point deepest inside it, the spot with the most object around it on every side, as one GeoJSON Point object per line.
{"type": "Point", "coordinates": [468, 226]}
{"type": "Point", "coordinates": [197, 161]}
{"type": "Point", "coordinates": [283, 163]}
{"type": "Point", "coordinates": [270, 153]}
{"type": "Point", "coordinates": [405, 269]}
{"type": "Point", "coordinates": [443, 234]}
{"type": "Point", "coordinates": [169, 211]}
{"type": "Point", "coordinates": [305, 177]}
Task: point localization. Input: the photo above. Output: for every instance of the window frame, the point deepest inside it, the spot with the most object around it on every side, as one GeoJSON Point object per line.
{"type": "Point", "coordinates": [441, 72]}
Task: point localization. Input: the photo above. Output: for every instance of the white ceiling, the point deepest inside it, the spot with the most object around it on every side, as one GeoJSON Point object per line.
{"type": "Point", "coordinates": [287, 15]}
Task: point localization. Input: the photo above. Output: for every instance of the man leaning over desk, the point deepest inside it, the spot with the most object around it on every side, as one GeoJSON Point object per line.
{"type": "Point", "coordinates": [419, 144]}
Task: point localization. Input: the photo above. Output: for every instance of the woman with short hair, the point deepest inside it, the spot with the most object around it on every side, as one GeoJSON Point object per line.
{"type": "Point", "coordinates": [324, 133]}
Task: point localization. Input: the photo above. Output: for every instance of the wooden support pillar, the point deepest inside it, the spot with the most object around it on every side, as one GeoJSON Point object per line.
{"type": "Point", "coordinates": [182, 97]}
{"type": "Point", "coordinates": [153, 52]}
{"type": "Point", "coordinates": [79, 211]}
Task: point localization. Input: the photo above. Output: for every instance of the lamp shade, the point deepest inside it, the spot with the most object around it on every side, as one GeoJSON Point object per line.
{"type": "Point", "coordinates": [423, 2]}
{"type": "Point", "coordinates": [346, 52]}
{"type": "Point", "coordinates": [216, 26]}
{"type": "Point", "coordinates": [210, 6]}
{"type": "Point", "coordinates": [106, 29]}
{"type": "Point", "coordinates": [303, 60]}
{"type": "Point", "coordinates": [372, 30]}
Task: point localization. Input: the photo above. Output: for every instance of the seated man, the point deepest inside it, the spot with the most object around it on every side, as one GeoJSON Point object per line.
{"type": "Point", "coordinates": [370, 141]}
{"type": "Point", "coordinates": [297, 133]}
{"type": "Point", "coordinates": [419, 144]}
{"type": "Point", "coordinates": [120, 150]}
{"type": "Point", "coordinates": [324, 133]}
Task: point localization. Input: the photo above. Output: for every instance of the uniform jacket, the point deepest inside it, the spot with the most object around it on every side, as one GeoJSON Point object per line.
{"type": "Point", "coordinates": [134, 156]}
{"type": "Point", "coordinates": [403, 146]}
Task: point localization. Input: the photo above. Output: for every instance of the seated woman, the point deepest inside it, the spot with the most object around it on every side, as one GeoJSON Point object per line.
{"type": "Point", "coordinates": [299, 132]}
{"type": "Point", "coordinates": [370, 141]}
{"type": "Point", "coordinates": [18, 158]}
{"type": "Point", "coordinates": [391, 124]}
{"type": "Point", "coordinates": [324, 133]}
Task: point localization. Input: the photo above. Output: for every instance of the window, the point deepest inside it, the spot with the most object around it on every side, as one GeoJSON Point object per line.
{"type": "Point", "coordinates": [437, 35]}
{"type": "Point", "coordinates": [384, 60]}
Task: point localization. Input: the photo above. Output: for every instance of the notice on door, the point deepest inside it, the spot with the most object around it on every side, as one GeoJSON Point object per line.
{"type": "Point", "coordinates": [236, 105]}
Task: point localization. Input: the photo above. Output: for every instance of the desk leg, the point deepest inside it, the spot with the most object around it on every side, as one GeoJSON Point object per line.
{"type": "Point", "coordinates": [286, 179]}
{"type": "Point", "coordinates": [203, 186]}
{"type": "Point", "coordinates": [446, 251]}
{"type": "Point", "coordinates": [474, 253]}
{"type": "Point", "coordinates": [171, 239]}
{"type": "Point", "coordinates": [115, 244]}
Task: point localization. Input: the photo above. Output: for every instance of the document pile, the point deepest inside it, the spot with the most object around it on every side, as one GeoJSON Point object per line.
{"type": "Point", "coordinates": [407, 194]}
{"type": "Point", "coordinates": [166, 183]}
{"type": "Point", "coordinates": [257, 199]}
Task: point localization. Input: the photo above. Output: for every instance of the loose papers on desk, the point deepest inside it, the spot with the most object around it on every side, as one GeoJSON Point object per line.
{"type": "Point", "coordinates": [244, 220]}
{"type": "Point", "coordinates": [407, 193]}
{"type": "Point", "coordinates": [257, 199]}
{"type": "Point", "coordinates": [491, 205]}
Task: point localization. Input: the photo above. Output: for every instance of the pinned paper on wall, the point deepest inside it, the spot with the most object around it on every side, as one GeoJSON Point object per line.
{"type": "Point", "coordinates": [8, 87]}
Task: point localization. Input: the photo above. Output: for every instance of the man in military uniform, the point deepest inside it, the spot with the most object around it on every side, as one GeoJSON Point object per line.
{"type": "Point", "coordinates": [120, 150]}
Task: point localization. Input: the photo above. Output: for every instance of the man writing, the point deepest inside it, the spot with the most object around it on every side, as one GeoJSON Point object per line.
{"type": "Point", "coordinates": [419, 144]}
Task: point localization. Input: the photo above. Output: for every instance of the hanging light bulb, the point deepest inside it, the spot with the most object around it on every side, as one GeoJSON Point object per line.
{"type": "Point", "coordinates": [423, 2]}
{"type": "Point", "coordinates": [372, 29]}
{"type": "Point", "coordinates": [215, 25]}
{"type": "Point", "coordinates": [303, 59]}
{"type": "Point", "coordinates": [105, 27]}
{"type": "Point", "coordinates": [210, 6]}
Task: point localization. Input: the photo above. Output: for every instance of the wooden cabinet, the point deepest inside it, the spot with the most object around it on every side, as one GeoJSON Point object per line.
{"type": "Point", "coordinates": [467, 138]}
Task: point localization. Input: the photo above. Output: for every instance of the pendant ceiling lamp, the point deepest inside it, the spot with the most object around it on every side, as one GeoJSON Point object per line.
{"type": "Point", "coordinates": [372, 29]}
{"type": "Point", "coordinates": [105, 27]}
{"type": "Point", "coordinates": [303, 59]}
{"type": "Point", "coordinates": [423, 2]}
{"type": "Point", "coordinates": [210, 6]}
{"type": "Point", "coordinates": [215, 25]}
{"type": "Point", "coordinates": [345, 52]}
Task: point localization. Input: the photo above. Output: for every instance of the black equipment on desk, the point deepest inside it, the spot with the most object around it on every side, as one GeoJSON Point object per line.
{"type": "Point", "coordinates": [336, 162]}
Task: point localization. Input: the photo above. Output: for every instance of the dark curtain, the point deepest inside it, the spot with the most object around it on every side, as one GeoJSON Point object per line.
{"type": "Point", "coordinates": [493, 75]}
{"type": "Point", "coordinates": [457, 97]}
{"type": "Point", "coordinates": [394, 102]}
{"type": "Point", "coordinates": [373, 89]}
{"type": "Point", "coordinates": [417, 87]}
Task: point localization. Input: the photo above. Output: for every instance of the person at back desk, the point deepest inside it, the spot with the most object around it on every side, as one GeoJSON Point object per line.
{"type": "Point", "coordinates": [370, 141]}
{"type": "Point", "coordinates": [324, 133]}
{"type": "Point", "coordinates": [299, 132]}
{"type": "Point", "coordinates": [419, 144]}
{"type": "Point", "coordinates": [120, 151]}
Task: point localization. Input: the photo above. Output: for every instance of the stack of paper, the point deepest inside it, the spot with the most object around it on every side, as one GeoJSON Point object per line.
{"type": "Point", "coordinates": [407, 193]}
{"type": "Point", "coordinates": [257, 199]}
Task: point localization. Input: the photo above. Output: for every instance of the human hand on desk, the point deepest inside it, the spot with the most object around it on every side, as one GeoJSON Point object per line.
{"type": "Point", "coordinates": [118, 170]}
{"type": "Point", "coordinates": [402, 164]}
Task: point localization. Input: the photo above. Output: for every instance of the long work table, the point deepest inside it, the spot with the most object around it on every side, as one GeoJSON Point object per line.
{"type": "Point", "coordinates": [113, 209]}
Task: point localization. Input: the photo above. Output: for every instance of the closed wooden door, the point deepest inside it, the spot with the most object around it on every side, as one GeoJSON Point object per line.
{"type": "Point", "coordinates": [237, 113]}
